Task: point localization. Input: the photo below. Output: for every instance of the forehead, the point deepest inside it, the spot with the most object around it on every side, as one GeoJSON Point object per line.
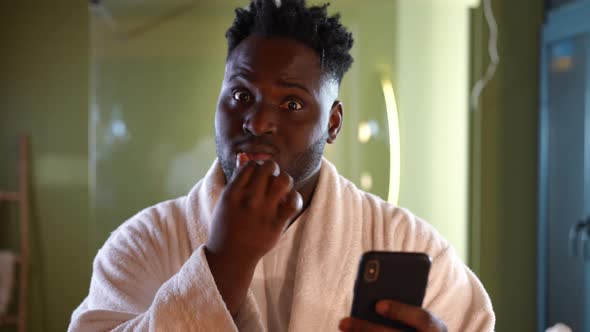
{"type": "Point", "coordinates": [275, 57]}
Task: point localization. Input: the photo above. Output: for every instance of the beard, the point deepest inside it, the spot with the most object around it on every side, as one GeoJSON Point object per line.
{"type": "Point", "coordinates": [300, 167]}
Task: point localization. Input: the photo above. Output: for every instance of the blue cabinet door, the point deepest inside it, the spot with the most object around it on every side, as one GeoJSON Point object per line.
{"type": "Point", "coordinates": [564, 201]}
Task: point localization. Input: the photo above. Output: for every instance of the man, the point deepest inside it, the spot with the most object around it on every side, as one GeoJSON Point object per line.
{"type": "Point", "coordinates": [270, 239]}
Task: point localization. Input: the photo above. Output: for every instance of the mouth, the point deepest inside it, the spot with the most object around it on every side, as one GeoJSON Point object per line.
{"type": "Point", "coordinates": [254, 156]}
{"type": "Point", "coordinates": [255, 152]}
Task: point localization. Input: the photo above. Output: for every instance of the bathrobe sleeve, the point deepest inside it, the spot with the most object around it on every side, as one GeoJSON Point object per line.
{"type": "Point", "coordinates": [456, 296]}
{"type": "Point", "coordinates": [142, 280]}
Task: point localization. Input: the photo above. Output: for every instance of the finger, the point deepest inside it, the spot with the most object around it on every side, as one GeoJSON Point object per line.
{"type": "Point", "coordinates": [242, 173]}
{"type": "Point", "coordinates": [260, 179]}
{"type": "Point", "coordinates": [413, 316]}
{"type": "Point", "coordinates": [351, 324]}
{"type": "Point", "coordinates": [279, 187]}
{"type": "Point", "coordinates": [241, 159]}
{"type": "Point", "coordinates": [289, 209]}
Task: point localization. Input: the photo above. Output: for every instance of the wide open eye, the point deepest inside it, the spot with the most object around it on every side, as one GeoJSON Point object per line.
{"type": "Point", "coordinates": [242, 96]}
{"type": "Point", "coordinates": [292, 105]}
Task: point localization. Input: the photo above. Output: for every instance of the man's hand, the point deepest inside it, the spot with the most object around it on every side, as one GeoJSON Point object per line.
{"type": "Point", "coordinates": [253, 211]}
{"type": "Point", "coordinates": [251, 214]}
{"type": "Point", "coordinates": [416, 317]}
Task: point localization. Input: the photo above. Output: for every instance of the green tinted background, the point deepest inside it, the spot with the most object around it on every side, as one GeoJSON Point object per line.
{"type": "Point", "coordinates": [44, 93]}
{"type": "Point", "coordinates": [121, 117]}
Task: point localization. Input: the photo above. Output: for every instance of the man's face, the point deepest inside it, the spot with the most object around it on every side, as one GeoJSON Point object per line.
{"type": "Point", "coordinates": [276, 104]}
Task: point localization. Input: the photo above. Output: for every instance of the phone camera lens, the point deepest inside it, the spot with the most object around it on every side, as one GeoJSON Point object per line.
{"type": "Point", "coordinates": [371, 271]}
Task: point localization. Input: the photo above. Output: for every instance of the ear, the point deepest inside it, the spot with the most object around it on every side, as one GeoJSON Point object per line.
{"type": "Point", "coordinates": [335, 121]}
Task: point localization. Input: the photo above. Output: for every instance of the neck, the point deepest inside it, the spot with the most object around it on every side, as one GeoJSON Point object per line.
{"type": "Point", "coordinates": [306, 190]}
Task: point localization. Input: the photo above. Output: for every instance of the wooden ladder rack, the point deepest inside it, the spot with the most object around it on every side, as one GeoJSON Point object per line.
{"type": "Point", "coordinates": [21, 198]}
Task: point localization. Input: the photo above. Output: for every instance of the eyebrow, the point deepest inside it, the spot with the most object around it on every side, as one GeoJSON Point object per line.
{"type": "Point", "coordinates": [242, 72]}
{"type": "Point", "coordinates": [248, 75]}
{"type": "Point", "coordinates": [290, 84]}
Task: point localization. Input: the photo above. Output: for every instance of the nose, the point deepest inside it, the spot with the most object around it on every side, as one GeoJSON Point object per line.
{"type": "Point", "coordinates": [260, 120]}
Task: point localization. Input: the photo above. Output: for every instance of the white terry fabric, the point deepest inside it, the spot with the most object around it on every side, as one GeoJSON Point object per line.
{"type": "Point", "coordinates": [274, 279]}
{"type": "Point", "coordinates": [7, 262]}
{"type": "Point", "coordinates": [152, 274]}
{"type": "Point", "coordinates": [559, 327]}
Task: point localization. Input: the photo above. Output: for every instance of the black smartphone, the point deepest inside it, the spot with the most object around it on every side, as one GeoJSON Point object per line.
{"type": "Point", "coordinates": [399, 276]}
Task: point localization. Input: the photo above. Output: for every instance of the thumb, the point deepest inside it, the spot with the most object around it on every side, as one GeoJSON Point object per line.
{"type": "Point", "coordinates": [290, 207]}
{"type": "Point", "coordinates": [241, 161]}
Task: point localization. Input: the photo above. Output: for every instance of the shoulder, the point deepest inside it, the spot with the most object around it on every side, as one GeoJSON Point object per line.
{"type": "Point", "coordinates": [159, 230]}
{"type": "Point", "coordinates": [451, 283]}
{"type": "Point", "coordinates": [171, 229]}
{"type": "Point", "coordinates": [393, 227]}
{"type": "Point", "coordinates": [155, 220]}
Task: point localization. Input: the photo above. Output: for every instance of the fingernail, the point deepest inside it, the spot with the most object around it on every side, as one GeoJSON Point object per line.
{"type": "Point", "coordinates": [382, 307]}
{"type": "Point", "coordinates": [241, 159]}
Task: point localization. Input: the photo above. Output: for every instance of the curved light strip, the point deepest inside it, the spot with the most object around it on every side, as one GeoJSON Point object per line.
{"type": "Point", "coordinates": [394, 140]}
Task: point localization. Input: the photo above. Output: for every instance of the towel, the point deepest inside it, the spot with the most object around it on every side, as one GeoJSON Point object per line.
{"type": "Point", "coordinates": [152, 273]}
{"type": "Point", "coordinates": [559, 327]}
{"type": "Point", "coordinates": [7, 262]}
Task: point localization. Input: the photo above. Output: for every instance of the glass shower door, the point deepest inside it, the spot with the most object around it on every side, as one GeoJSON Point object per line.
{"type": "Point", "coordinates": [156, 73]}
{"type": "Point", "coordinates": [157, 67]}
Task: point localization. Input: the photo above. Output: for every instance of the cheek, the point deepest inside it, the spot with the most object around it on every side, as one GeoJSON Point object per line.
{"type": "Point", "coordinates": [219, 125]}
{"type": "Point", "coordinates": [303, 135]}
{"type": "Point", "coordinates": [319, 127]}
{"type": "Point", "coordinates": [225, 119]}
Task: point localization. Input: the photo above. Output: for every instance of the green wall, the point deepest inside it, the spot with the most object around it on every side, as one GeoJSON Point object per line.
{"type": "Point", "coordinates": [44, 92]}
{"type": "Point", "coordinates": [504, 164]}
{"type": "Point", "coordinates": [432, 81]}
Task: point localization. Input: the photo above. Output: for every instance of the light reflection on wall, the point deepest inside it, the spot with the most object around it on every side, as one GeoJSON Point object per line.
{"type": "Point", "coordinates": [367, 130]}
{"type": "Point", "coordinates": [394, 141]}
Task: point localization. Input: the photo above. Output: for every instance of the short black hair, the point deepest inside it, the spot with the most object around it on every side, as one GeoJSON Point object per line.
{"type": "Point", "coordinates": [293, 19]}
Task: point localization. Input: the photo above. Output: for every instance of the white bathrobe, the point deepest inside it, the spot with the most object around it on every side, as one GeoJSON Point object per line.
{"type": "Point", "coordinates": [152, 273]}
